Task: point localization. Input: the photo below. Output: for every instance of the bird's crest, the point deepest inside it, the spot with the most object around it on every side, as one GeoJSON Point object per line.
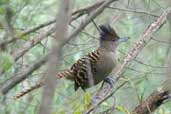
{"type": "Point", "coordinates": [108, 33]}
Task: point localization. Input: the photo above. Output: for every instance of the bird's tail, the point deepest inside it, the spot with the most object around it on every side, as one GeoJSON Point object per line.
{"type": "Point", "coordinates": [68, 74]}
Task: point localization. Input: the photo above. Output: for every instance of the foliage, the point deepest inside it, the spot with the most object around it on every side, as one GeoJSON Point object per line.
{"type": "Point", "coordinates": [129, 18]}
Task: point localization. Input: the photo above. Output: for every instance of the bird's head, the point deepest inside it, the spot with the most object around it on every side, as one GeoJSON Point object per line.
{"type": "Point", "coordinates": [109, 38]}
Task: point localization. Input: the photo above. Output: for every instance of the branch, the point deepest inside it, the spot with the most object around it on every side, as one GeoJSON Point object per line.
{"type": "Point", "coordinates": [35, 40]}
{"type": "Point", "coordinates": [31, 43]}
{"type": "Point", "coordinates": [132, 54]}
{"type": "Point", "coordinates": [23, 74]}
{"type": "Point", "coordinates": [157, 98]}
{"type": "Point", "coordinates": [62, 22]}
{"type": "Point", "coordinates": [143, 40]}
{"type": "Point", "coordinates": [104, 99]}
{"type": "Point", "coordinates": [134, 11]}
{"type": "Point", "coordinates": [75, 15]}
{"type": "Point", "coordinates": [151, 103]}
{"type": "Point", "coordinates": [92, 15]}
{"type": "Point", "coordinates": [42, 35]}
{"type": "Point", "coordinates": [74, 34]}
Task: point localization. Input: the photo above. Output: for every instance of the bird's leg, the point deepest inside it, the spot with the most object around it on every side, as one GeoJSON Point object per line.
{"type": "Point", "coordinates": [109, 81]}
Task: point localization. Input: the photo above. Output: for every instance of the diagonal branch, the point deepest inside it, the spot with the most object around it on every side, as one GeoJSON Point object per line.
{"type": "Point", "coordinates": [143, 40]}
{"type": "Point", "coordinates": [132, 54]}
{"type": "Point", "coordinates": [151, 103]}
{"type": "Point", "coordinates": [42, 35]}
{"type": "Point", "coordinates": [10, 83]}
{"type": "Point", "coordinates": [92, 16]}
{"type": "Point", "coordinates": [157, 98]}
{"type": "Point", "coordinates": [75, 15]}
{"type": "Point", "coordinates": [35, 40]}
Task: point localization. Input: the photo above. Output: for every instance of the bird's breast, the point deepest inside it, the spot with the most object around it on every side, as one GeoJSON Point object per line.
{"type": "Point", "coordinates": [104, 66]}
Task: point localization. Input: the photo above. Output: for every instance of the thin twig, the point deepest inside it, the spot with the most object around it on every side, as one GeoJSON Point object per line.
{"type": "Point", "coordinates": [104, 99]}
{"type": "Point", "coordinates": [10, 83]}
{"type": "Point", "coordinates": [136, 49]}
{"type": "Point", "coordinates": [134, 11]}
{"type": "Point", "coordinates": [75, 15]}
{"type": "Point", "coordinates": [151, 103]}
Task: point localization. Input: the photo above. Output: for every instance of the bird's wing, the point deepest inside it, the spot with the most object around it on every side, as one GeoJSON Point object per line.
{"type": "Point", "coordinates": [84, 69]}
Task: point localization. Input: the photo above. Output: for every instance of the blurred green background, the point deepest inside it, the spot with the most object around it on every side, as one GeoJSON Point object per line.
{"type": "Point", "coordinates": [128, 17]}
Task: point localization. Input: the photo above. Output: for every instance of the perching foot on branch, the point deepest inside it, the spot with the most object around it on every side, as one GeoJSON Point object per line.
{"type": "Point", "coordinates": [109, 81]}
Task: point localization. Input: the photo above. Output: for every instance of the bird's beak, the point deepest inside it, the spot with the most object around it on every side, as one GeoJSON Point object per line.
{"type": "Point", "coordinates": [123, 39]}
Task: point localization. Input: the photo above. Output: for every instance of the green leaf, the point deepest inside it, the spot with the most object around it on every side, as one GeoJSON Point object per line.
{"type": "Point", "coordinates": [87, 98]}
{"type": "Point", "coordinates": [61, 112]}
{"type": "Point", "coordinates": [6, 61]}
{"type": "Point", "coordinates": [2, 10]}
{"type": "Point", "coordinates": [122, 109]}
{"type": "Point", "coordinates": [78, 112]}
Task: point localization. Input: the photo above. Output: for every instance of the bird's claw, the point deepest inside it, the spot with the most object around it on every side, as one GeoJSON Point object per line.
{"type": "Point", "coordinates": [108, 80]}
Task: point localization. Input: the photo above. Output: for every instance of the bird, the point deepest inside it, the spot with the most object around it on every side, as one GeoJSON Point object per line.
{"type": "Point", "coordinates": [92, 68]}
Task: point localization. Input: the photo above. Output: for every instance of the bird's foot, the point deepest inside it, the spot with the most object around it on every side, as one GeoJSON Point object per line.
{"type": "Point", "coordinates": [109, 81]}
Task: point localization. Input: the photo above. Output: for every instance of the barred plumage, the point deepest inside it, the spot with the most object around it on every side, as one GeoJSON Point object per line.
{"type": "Point", "coordinates": [93, 67]}
{"type": "Point", "coordinates": [71, 74]}
{"type": "Point", "coordinates": [80, 69]}
{"type": "Point", "coordinates": [68, 74]}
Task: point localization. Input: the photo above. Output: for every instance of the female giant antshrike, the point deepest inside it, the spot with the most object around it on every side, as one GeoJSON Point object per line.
{"type": "Point", "coordinates": [93, 67]}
